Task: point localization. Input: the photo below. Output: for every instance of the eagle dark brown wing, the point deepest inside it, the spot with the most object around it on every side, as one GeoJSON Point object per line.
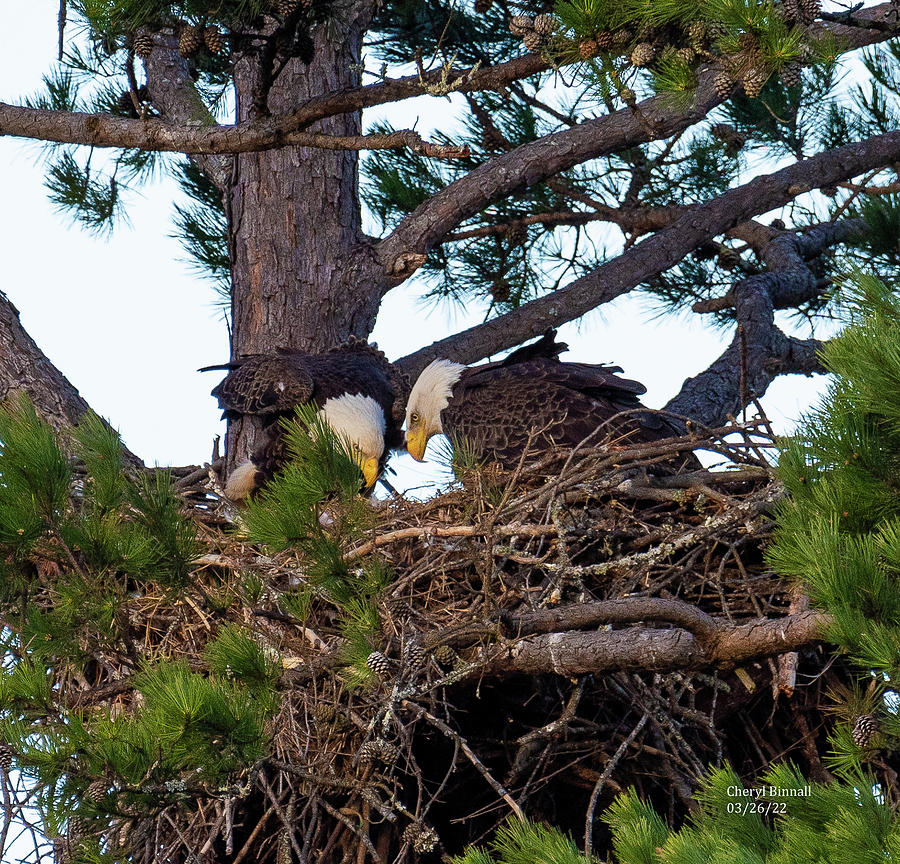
{"type": "Point", "coordinates": [498, 406]}
{"type": "Point", "coordinates": [265, 384]}
{"type": "Point", "coordinates": [271, 386]}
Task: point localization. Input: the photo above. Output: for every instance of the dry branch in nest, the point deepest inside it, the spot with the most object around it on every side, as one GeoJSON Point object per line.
{"type": "Point", "coordinates": [589, 622]}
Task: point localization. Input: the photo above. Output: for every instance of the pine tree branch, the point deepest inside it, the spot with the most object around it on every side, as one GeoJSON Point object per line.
{"type": "Point", "coordinates": [532, 163]}
{"type": "Point", "coordinates": [652, 649]}
{"type": "Point", "coordinates": [659, 252]}
{"type": "Point", "coordinates": [24, 368]}
{"type": "Point", "coordinates": [760, 351]}
{"type": "Point", "coordinates": [174, 96]}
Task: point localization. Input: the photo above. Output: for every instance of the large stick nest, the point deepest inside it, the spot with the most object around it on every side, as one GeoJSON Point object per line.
{"type": "Point", "coordinates": [533, 660]}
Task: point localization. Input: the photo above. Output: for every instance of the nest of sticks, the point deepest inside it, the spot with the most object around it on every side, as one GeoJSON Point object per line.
{"type": "Point", "coordinates": [531, 660]}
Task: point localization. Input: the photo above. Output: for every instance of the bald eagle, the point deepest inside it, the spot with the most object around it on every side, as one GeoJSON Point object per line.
{"type": "Point", "coordinates": [358, 392]}
{"type": "Point", "coordinates": [495, 407]}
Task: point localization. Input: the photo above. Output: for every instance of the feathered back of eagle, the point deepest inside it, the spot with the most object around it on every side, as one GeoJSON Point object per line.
{"type": "Point", "coordinates": [400, 382]}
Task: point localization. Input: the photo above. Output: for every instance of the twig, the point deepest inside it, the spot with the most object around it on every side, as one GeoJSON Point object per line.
{"type": "Point", "coordinates": [470, 754]}
{"type": "Point", "coordinates": [601, 782]}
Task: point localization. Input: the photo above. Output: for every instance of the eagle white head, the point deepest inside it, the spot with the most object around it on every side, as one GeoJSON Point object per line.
{"type": "Point", "coordinates": [357, 419]}
{"type": "Point", "coordinates": [360, 421]}
{"type": "Point", "coordinates": [429, 396]}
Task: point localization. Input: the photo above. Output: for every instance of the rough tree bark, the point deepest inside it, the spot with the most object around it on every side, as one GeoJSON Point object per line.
{"type": "Point", "coordinates": [25, 369]}
{"type": "Point", "coordinates": [294, 217]}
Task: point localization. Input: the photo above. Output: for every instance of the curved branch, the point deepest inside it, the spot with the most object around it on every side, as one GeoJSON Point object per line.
{"type": "Point", "coordinates": [760, 351]}
{"type": "Point", "coordinates": [648, 649]}
{"type": "Point", "coordinates": [659, 252]}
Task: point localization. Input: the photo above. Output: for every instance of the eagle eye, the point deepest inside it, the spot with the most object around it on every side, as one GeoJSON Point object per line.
{"type": "Point", "coordinates": [414, 417]}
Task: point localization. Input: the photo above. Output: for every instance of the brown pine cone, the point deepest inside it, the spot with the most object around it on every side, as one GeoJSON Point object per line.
{"type": "Point", "coordinates": [190, 41]}
{"type": "Point", "coordinates": [533, 41]}
{"type": "Point", "coordinates": [379, 664]}
{"type": "Point", "coordinates": [544, 24]}
{"type": "Point", "coordinates": [587, 48]}
{"type": "Point", "coordinates": [143, 45]}
{"type": "Point", "coordinates": [864, 729]}
{"type": "Point", "coordinates": [519, 25]}
{"type": "Point", "coordinates": [642, 54]}
{"type": "Point", "coordinates": [754, 80]}
{"type": "Point", "coordinates": [791, 74]}
{"type": "Point", "coordinates": [723, 84]}
{"type": "Point", "coordinates": [809, 10]}
{"type": "Point", "coordinates": [214, 39]}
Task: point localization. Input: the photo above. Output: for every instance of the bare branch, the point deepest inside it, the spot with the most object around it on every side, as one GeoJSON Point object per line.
{"type": "Point", "coordinates": [104, 130]}
{"type": "Point", "coordinates": [761, 351]}
{"type": "Point", "coordinates": [652, 649]}
{"type": "Point", "coordinates": [659, 252]}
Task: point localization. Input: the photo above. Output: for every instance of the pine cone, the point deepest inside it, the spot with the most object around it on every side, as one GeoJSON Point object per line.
{"type": "Point", "coordinates": [96, 791]}
{"type": "Point", "coordinates": [445, 655]}
{"type": "Point", "coordinates": [723, 84]}
{"type": "Point", "coordinates": [791, 74]}
{"type": "Point", "coordinates": [519, 25]}
{"type": "Point", "coordinates": [642, 54]}
{"type": "Point", "coordinates": [143, 45]}
{"type": "Point", "coordinates": [61, 850]}
{"type": "Point", "coordinates": [422, 838]}
{"type": "Point", "coordinates": [604, 40]}
{"type": "Point", "coordinates": [809, 10]}
{"type": "Point", "coordinates": [414, 654]}
{"type": "Point", "coordinates": [323, 712]}
{"type": "Point", "coordinates": [533, 41]}
{"type": "Point", "coordinates": [686, 55]}
{"type": "Point", "coordinates": [791, 11]}
{"type": "Point", "coordinates": [6, 757]}
{"type": "Point", "coordinates": [544, 24]}
{"type": "Point", "coordinates": [754, 80]}
{"type": "Point", "coordinates": [285, 7]}
{"type": "Point", "coordinates": [622, 37]}
{"type": "Point", "coordinates": [697, 35]}
{"type": "Point", "coordinates": [378, 751]}
{"type": "Point", "coordinates": [500, 290]}
{"type": "Point", "coordinates": [214, 39]}
{"type": "Point", "coordinates": [587, 48]}
{"type": "Point", "coordinates": [626, 94]}
{"type": "Point", "coordinates": [190, 41]}
{"type": "Point", "coordinates": [379, 664]}
{"type": "Point", "coordinates": [864, 730]}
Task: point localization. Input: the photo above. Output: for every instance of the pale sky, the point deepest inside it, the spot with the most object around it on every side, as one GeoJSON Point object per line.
{"type": "Point", "coordinates": [128, 321]}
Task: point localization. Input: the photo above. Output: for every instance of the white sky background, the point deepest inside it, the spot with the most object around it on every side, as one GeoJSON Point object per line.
{"type": "Point", "coordinates": [128, 321]}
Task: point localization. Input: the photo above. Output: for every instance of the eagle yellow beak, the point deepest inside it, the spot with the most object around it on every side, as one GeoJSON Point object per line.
{"type": "Point", "coordinates": [370, 471]}
{"type": "Point", "coordinates": [416, 442]}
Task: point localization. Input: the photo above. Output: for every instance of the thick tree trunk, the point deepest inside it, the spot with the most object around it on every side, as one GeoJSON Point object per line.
{"type": "Point", "coordinates": [295, 221]}
{"type": "Point", "coordinates": [24, 368]}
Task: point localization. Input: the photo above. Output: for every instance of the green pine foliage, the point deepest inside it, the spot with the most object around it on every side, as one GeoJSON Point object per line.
{"type": "Point", "coordinates": [839, 531]}
{"type": "Point", "coordinates": [314, 508]}
{"type": "Point", "coordinates": [786, 820]}
{"type": "Point", "coordinates": [80, 532]}
{"type": "Point", "coordinates": [35, 480]}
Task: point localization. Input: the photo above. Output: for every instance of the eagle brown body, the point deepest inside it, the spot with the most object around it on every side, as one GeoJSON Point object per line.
{"type": "Point", "coordinates": [271, 386]}
{"type": "Point", "coordinates": [531, 395]}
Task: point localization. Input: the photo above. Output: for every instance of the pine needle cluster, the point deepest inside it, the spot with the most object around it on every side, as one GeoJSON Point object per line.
{"type": "Point", "coordinates": [786, 820]}
{"type": "Point", "coordinates": [313, 508]}
{"type": "Point", "coordinates": [80, 535]}
{"type": "Point", "coordinates": [839, 531]}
